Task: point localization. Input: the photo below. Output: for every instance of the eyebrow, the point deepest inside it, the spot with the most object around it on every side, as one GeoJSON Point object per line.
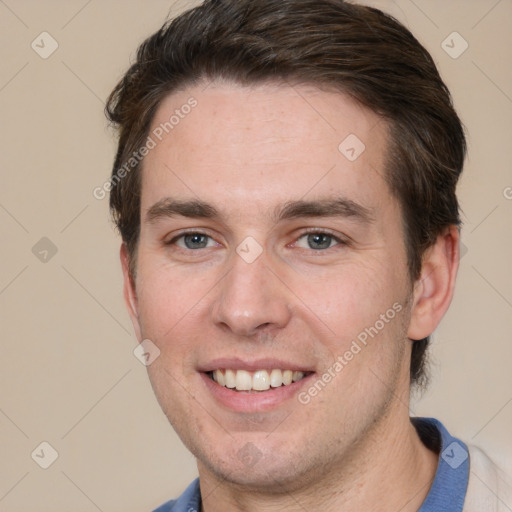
{"type": "Point", "coordinates": [169, 207]}
{"type": "Point", "coordinates": [329, 207]}
{"type": "Point", "coordinates": [337, 207]}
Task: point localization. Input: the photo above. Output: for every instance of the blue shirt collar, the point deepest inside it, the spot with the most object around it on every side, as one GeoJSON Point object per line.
{"type": "Point", "coordinates": [449, 487]}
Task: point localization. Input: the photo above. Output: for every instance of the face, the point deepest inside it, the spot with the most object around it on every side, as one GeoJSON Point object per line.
{"type": "Point", "coordinates": [271, 258]}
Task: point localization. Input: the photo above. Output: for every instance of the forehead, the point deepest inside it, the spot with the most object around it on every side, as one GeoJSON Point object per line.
{"type": "Point", "coordinates": [223, 140]}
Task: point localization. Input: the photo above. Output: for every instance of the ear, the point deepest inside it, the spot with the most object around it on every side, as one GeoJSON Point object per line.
{"type": "Point", "coordinates": [129, 292]}
{"type": "Point", "coordinates": [433, 291]}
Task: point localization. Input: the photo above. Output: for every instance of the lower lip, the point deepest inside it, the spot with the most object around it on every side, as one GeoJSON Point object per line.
{"type": "Point", "coordinates": [257, 401]}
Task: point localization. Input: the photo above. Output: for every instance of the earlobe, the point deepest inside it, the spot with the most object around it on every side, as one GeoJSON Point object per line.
{"type": "Point", "coordinates": [433, 291]}
{"type": "Point", "coordinates": [129, 291]}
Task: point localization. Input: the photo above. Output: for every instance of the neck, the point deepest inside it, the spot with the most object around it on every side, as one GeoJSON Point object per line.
{"type": "Point", "coordinates": [389, 470]}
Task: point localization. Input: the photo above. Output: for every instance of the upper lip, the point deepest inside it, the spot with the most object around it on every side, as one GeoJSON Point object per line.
{"type": "Point", "coordinates": [230, 363]}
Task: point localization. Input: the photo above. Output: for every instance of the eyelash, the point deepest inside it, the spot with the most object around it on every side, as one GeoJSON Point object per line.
{"type": "Point", "coordinates": [340, 241]}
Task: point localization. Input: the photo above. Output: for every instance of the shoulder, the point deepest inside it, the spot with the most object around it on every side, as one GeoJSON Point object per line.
{"type": "Point", "coordinates": [187, 502]}
{"type": "Point", "coordinates": [489, 487]}
{"type": "Point", "coordinates": [168, 506]}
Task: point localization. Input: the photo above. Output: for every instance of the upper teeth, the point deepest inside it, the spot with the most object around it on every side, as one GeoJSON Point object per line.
{"type": "Point", "coordinates": [260, 380]}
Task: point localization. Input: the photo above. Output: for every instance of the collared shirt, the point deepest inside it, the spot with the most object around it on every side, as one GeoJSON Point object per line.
{"type": "Point", "coordinates": [448, 490]}
{"type": "Point", "coordinates": [446, 494]}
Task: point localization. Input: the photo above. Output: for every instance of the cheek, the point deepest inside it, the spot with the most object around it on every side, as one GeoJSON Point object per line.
{"type": "Point", "coordinates": [169, 298]}
{"type": "Point", "coordinates": [351, 296]}
{"type": "Point", "coordinates": [364, 307]}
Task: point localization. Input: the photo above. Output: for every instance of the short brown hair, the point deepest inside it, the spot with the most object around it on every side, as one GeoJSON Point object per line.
{"type": "Point", "coordinates": [354, 49]}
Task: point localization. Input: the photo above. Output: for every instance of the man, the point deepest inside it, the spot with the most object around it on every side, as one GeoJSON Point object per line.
{"type": "Point", "coordinates": [285, 190]}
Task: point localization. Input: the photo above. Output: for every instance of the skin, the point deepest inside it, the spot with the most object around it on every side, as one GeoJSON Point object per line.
{"type": "Point", "coordinates": [247, 152]}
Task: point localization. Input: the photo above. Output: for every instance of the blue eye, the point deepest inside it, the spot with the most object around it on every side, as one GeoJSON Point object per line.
{"type": "Point", "coordinates": [195, 241]}
{"type": "Point", "coordinates": [318, 241]}
{"type": "Point", "coordinates": [192, 241]}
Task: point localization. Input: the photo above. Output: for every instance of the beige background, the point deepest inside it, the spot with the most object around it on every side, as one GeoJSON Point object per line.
{"type": "Point", "coordinates": [68, 374]}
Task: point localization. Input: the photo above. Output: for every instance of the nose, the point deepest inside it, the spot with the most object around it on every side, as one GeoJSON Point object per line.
{"type": "Point", "coordinates": [252, 298]}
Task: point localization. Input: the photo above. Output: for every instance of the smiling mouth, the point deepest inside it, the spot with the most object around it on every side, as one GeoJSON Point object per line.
{"type": "Point", "coordinates": [258, 381]}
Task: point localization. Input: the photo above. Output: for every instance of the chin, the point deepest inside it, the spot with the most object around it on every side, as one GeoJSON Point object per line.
{"type": "Point", "coordinates": [265, 475]}
{"type": "Point", "coordinates": [274, 469]}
